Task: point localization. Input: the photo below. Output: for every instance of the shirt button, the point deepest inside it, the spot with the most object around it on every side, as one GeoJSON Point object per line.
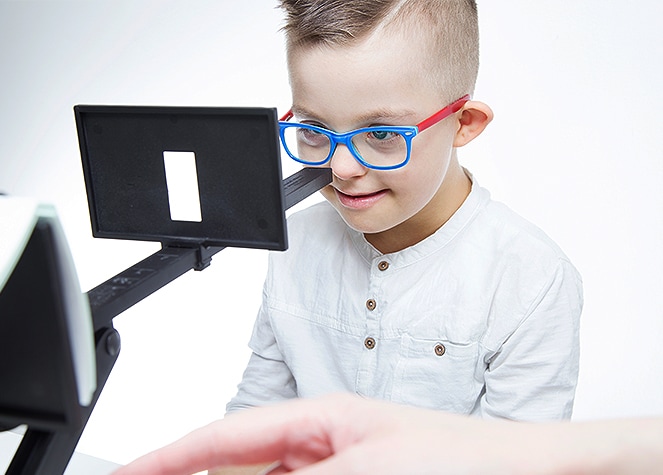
{"type": "Point", "coordinates": [440, 349]}
{"type": "Point", "coordinates": [371, 304]}
{"type": "Point", "coordinates": [369, 343]}
{"type": "Point", "coordinates": [383, 265]}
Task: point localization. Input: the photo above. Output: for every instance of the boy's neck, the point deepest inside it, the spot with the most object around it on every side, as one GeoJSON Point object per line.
{"type": "Point", "coordinates": [449, 197]}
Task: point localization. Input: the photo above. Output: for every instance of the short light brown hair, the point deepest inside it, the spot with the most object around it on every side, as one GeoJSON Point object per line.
{"type": "Point", "coordinates": [450, 28]}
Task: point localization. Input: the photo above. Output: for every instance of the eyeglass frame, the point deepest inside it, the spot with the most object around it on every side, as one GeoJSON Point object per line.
{"type": "Point", "coordinates": [408, 132]}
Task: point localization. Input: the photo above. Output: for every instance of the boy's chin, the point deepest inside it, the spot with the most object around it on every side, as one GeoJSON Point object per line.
{"type": "Point", "coordinates": [365, 224]}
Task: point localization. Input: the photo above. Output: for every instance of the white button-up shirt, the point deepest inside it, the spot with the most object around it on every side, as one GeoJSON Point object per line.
{"type": "Point", "coordinates": [480, 318]}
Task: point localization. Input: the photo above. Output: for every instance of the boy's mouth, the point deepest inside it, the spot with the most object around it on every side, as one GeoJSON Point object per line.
{"type": "Point", "coordinates": [359, 201]}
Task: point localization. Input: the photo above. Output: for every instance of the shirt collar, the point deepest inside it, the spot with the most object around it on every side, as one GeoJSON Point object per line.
{"type": "Point", "coordinates": [475, 201]}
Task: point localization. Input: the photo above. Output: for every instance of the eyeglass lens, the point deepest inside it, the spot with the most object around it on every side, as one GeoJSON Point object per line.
{"type": "Point", "coordinates": [382, 148]}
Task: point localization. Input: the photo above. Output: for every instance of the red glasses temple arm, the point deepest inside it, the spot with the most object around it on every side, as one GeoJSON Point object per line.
{"type": "Point", "coordinates": [444, 113]}
{"type": "Point", "coordinates": [288, 115]}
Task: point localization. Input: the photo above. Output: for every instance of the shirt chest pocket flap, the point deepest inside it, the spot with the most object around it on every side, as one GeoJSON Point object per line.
{"type": "Point", "coordinates": [437, 374]}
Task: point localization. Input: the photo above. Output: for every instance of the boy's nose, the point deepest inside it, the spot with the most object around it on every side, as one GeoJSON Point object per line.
{"type": "Point", "coordinates": [344, 165]}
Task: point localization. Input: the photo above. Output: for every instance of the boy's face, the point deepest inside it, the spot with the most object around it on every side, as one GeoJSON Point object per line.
{"type": "Point", "coordinates": [381, 81]}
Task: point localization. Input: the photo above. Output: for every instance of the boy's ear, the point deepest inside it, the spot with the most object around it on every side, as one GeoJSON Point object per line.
{"type": "Point", "coordinates": [474, 117]}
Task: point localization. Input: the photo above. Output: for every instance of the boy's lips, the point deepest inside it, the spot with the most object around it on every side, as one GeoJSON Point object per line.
{"type": "Point", "coordinates": [359, 201]}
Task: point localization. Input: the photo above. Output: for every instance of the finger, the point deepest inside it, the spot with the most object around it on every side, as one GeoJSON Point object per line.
{"type": "Point", "coordinates": [295, 428]}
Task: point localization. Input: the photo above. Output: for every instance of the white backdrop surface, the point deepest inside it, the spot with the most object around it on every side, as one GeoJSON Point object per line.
{"type": "Point", "coordinates": [575, 147]}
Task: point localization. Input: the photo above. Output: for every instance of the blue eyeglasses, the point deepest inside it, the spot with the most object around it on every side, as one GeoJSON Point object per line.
{"type": "Point", "coordinates": [378, 148]}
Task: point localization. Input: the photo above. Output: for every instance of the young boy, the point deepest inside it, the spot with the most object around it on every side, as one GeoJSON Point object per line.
{"type": "Point", "coordinates": [408, 283]}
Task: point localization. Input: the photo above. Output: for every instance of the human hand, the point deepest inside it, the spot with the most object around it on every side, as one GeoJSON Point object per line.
{"type": "Point", "coordinates": [331, 435]}
{"type": "Point", "coordinates": [345, 434]}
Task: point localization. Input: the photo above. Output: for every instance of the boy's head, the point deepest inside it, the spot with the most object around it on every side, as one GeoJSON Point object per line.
{"type": "Point", "coordinates": [448, 30]}
{"type": "Point", "coordinates": [372, 63]}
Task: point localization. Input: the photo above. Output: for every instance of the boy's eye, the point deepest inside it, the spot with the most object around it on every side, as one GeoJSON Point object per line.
{"type": "Point", "coordinates": [382, 138]}
{"type": "Point", "coordinates": [382, 141]}
{"type": "Point", "coordinates": [312, 137]}
{"type": "Point", "coordinates": [381, 134]}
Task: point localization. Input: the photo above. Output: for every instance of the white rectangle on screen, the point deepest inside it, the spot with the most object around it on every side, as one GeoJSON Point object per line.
{"type": "Point", "coordinates": [182, 182]}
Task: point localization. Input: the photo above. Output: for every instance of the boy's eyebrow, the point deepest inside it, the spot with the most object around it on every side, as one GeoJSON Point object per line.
{"type": "Point", "coordinates": [375, 116]}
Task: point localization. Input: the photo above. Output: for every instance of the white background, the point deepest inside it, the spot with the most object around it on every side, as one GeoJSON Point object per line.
{"type": "Point", "coordinates": [575, 147]}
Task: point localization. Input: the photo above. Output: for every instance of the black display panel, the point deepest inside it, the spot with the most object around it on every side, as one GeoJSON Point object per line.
{"type": "Point", "coordinates": [237, 180]}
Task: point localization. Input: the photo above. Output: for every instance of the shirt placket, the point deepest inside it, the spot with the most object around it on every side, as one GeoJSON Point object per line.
{"type": "Point", "coordinates": [373, 309]}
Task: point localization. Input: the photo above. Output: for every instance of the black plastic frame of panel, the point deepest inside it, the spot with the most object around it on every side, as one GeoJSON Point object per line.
{"type": "Point", "coordinates": [237, 158]}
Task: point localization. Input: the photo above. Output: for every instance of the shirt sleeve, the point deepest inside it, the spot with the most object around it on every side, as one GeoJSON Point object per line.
{"type": "Point", "coordinates": [533, 376]}
{"type": "Point", "coordinates": [267, 378]}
